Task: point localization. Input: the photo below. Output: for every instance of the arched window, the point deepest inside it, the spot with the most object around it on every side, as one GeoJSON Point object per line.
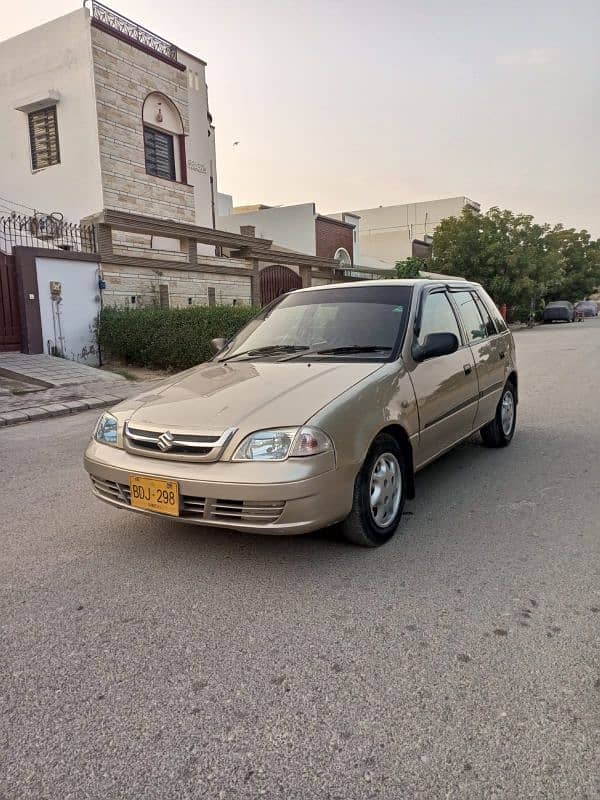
{"type": "Point", "coordinates": [164, 140]}
{"type": "Point", "coordinates": [342, 256]}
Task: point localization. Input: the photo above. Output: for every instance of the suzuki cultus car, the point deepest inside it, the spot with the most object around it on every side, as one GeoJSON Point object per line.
{"type": "Point", "coordinates": [320, 411]}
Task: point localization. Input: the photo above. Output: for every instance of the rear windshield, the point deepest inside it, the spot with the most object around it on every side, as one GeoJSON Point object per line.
{"type": "Point", "coordinates": [349, 318]}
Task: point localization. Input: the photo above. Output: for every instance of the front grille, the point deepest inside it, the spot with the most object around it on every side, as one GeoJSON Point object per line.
{"type": "Point", "coordinates": [209, 510]}
{"type": "Point", "coordinates": [247, 510]}
{"type": "Point", "coordinates": [112, 490]}
{"type": "Point", "coordinates": [176, 446]}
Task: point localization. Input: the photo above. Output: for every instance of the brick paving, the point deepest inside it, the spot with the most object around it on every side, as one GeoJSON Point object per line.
{"type": "Point", "coordinates": [69, 388]}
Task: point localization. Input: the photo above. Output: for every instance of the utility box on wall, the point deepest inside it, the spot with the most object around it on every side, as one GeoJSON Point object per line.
{"type": "Point", "coordinates": [69, 308]}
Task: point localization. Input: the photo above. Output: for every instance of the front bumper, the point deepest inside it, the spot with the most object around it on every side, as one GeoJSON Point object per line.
{"type": "Point", "coordinates": [293, 496]}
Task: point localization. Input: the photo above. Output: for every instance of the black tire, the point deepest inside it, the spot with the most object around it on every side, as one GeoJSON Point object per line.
{"type": "Point", "coordinates": [360, 526]}
{"type": "Point", "coordinates": [493, 434]}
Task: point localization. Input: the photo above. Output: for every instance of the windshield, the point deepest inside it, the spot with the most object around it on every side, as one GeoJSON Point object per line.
{"type": "Point", "coordinates": [341, 323]}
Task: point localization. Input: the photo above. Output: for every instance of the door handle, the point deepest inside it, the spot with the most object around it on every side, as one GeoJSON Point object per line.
{"type": "Point", "coordinates": [502, 354]}
{"type": "Point", "coordinates": [467, 368]}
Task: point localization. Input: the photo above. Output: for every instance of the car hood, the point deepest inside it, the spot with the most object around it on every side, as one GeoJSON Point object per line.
{"type": "Point", "coordinates": [247, 395]}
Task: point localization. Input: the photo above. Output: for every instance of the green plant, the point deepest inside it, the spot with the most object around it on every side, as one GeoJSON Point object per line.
{"type": "Point", "coordinates": [520, 262]}
{"type": "Point", "coordinates": [168, 338]}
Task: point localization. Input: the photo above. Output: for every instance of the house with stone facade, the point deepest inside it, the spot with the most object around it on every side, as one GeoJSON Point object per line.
{"type": "Point", "coordinates": [98, 112]}
{"type": "Point", "coordinates": [105, 122]}
{"type": "Point", "coordinates": [108, 160]}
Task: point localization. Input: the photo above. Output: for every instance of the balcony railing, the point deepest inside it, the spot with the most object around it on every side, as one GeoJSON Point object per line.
{"type": "Point", "coordinates": [133, 31]}
{"type": "Point", "coordinates": [49, 231]}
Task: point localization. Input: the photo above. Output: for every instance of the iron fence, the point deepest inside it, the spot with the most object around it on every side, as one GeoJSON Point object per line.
{"type": "Point", "coordinates": [49, 231]}
{"type": "Point", "coordinates": [127, 27]}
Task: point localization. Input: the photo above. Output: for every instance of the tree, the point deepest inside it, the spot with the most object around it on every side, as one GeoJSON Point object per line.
{"type": "Point", "coordinates": [520, 262]}
{"type": "Point", "coordinates": [411, 267]}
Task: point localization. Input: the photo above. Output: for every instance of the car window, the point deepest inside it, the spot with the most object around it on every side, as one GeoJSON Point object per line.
{"type": "Point", "coordinates": [488, 322]}
{"type": "Point", "coordinates": [473, 323]}
{"type": "Point", "coordinates": [492, 310]}
{"type": "Point", "coordinates": [438, 317]}
{"type": "Point", "coordinates": [347, 317]}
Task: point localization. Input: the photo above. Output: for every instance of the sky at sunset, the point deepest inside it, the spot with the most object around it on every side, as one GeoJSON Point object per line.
{"type": "Point", "coordinates": [354, 105]}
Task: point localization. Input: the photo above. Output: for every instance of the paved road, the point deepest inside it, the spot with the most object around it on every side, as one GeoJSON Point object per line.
{"type": "Point", "coordinates": [141, 659]}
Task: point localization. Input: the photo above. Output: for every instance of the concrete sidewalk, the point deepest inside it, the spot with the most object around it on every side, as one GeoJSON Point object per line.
{"type": "Point", "coordinates": [56, 387]}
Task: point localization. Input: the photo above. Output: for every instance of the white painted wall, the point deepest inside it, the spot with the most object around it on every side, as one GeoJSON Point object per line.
{"type": "Point", "coordinates": [78, 309]}
{"type": "Point", "coordinates": [224, 204]}
{"type": "Point", "coordinates": [388, 232]}
{"type": "Point", "coordinates": [290, 227]}
{"type": "Point", "coordinates": [55, 57]}
{"type": "Point", "coordinates": [200, 142]}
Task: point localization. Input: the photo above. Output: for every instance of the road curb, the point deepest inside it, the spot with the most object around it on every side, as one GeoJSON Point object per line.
{"type": "Point", "coordinates": [58, 409]}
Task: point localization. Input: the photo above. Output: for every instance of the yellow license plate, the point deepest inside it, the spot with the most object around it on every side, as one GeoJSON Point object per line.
{"type": "Point", "coordinates": [153, 494]}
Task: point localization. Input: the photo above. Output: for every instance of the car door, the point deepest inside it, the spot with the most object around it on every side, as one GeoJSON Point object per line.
{"type": "Point", "coordinates": [445, 387]}
{"type": "Point", "coordinates": [489, 350]}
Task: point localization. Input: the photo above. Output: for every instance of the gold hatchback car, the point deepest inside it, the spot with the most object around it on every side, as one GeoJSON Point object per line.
{"type": "Point", "coordinates": [320, 411]}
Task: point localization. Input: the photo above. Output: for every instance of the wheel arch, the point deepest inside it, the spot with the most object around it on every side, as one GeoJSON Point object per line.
{"type": "Point", "coordinates": [513, 378]}
{"type": "Point", "coordinates": [401, 436]}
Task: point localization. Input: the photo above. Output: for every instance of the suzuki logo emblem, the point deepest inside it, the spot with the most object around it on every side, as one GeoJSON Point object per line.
{"type": "Point", "coordinates": [166, 441]}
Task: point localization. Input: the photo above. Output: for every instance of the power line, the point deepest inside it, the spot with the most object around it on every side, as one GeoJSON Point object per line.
{"type": "Point", "coordinates": [13, 203]}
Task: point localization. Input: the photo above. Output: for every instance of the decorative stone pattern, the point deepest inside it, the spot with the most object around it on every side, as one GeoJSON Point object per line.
{"type": "Point", "coordinates": [123, 78]}
{"type": "Point", "coordinates": [126, 282]}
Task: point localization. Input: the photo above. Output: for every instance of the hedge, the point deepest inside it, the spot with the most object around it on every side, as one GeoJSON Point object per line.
{"type": "Point", "coordinates": [167, 338]}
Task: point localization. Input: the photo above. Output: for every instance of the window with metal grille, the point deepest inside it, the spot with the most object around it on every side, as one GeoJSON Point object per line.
{"type": "Point", "coordinates": [43, 137]}
{"type": "Point", "coordinates": [212, 296]}
{"type": "Point", "coordinates": [160, 154]}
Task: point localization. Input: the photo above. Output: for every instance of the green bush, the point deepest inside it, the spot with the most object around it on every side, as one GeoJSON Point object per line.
{"type": "Point", "coordinates": [168, 338]}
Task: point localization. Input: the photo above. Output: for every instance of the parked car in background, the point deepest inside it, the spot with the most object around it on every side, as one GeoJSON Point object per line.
{"type": "Point", "coordinates": [587, 307]}
{"type": "Point", "coordinates": [320, 411]}
{"type": "Point", "coordinates": [559, 311]}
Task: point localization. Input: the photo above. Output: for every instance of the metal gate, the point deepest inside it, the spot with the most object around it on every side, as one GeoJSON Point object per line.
{"type": "Point", "coordinates": [277, 280]}
{"type": "Point", "coordinates": [10, 318]}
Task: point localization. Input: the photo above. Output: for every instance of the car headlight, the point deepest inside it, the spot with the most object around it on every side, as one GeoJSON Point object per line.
{"type": "Point", "coordinates": [106, 429]}
{"type": "Point", "coordinates": [281, 443]}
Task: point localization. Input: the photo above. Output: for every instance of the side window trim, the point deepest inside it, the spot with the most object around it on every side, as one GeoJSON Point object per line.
{"type": "Point", "coordinates": [459, 319]}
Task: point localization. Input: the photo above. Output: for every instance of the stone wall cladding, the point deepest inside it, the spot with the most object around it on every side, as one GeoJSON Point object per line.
{"type": "Point", "coordinates": [330, 235]}
{"type": "Point", "coordinates": [125, 282]}
{"type": "Point", "coordinates": [124, 76]}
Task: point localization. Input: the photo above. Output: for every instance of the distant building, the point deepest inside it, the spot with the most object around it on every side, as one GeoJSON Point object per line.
{"type": "Point", "coordinates": [298, 228]}
{"type": "Point", "coordinates": [393, 233]}
{"type": "Point", "coordinates": [96, 112]}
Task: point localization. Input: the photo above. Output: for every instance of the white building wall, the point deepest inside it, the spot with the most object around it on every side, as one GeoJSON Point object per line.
{"type": "Point", "coordinates": [55, 57]}
{"type": "Point", "coordinates": [200, 142]}
{"type": "Point", "coordinates": [387, 232]}
{"type": "Point", "coordinates": [290, 227]}
{"type": "Point", "coordinates": [74, 318]}
{"type": "Point", "coordinates": [224, 205]}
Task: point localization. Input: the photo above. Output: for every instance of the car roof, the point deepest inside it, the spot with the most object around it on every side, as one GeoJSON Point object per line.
{"type": "Point", "coordinates": [559, 303]}
{"type": "Point", "coordinates": [451, 283]}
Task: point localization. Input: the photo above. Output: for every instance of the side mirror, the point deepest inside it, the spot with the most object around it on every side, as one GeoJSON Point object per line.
{"type": "Point", "coordinates": [435, 345]}
{"type": "Point", "coordinates": [218, 344]}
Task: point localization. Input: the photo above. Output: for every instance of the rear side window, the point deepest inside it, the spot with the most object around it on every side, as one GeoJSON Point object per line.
{"type": "Point", "coordinates": [493, 310]}
{"type": "Point", "coordinates": [490, 328]}
{"type": "Point", "coordinates": [472, 321]}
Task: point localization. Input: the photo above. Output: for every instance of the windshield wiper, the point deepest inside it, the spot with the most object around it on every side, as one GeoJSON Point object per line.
{"type": "Point", "coordinates": [327, 351]}
{"type": "Point", "coordinates": [267, 350]}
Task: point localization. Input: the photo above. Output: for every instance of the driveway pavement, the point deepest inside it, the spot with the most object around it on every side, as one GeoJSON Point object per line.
{"type": "Point", "coordinates": [34, 387]}
{"type": "Point", "coordinates": [142, 659]}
